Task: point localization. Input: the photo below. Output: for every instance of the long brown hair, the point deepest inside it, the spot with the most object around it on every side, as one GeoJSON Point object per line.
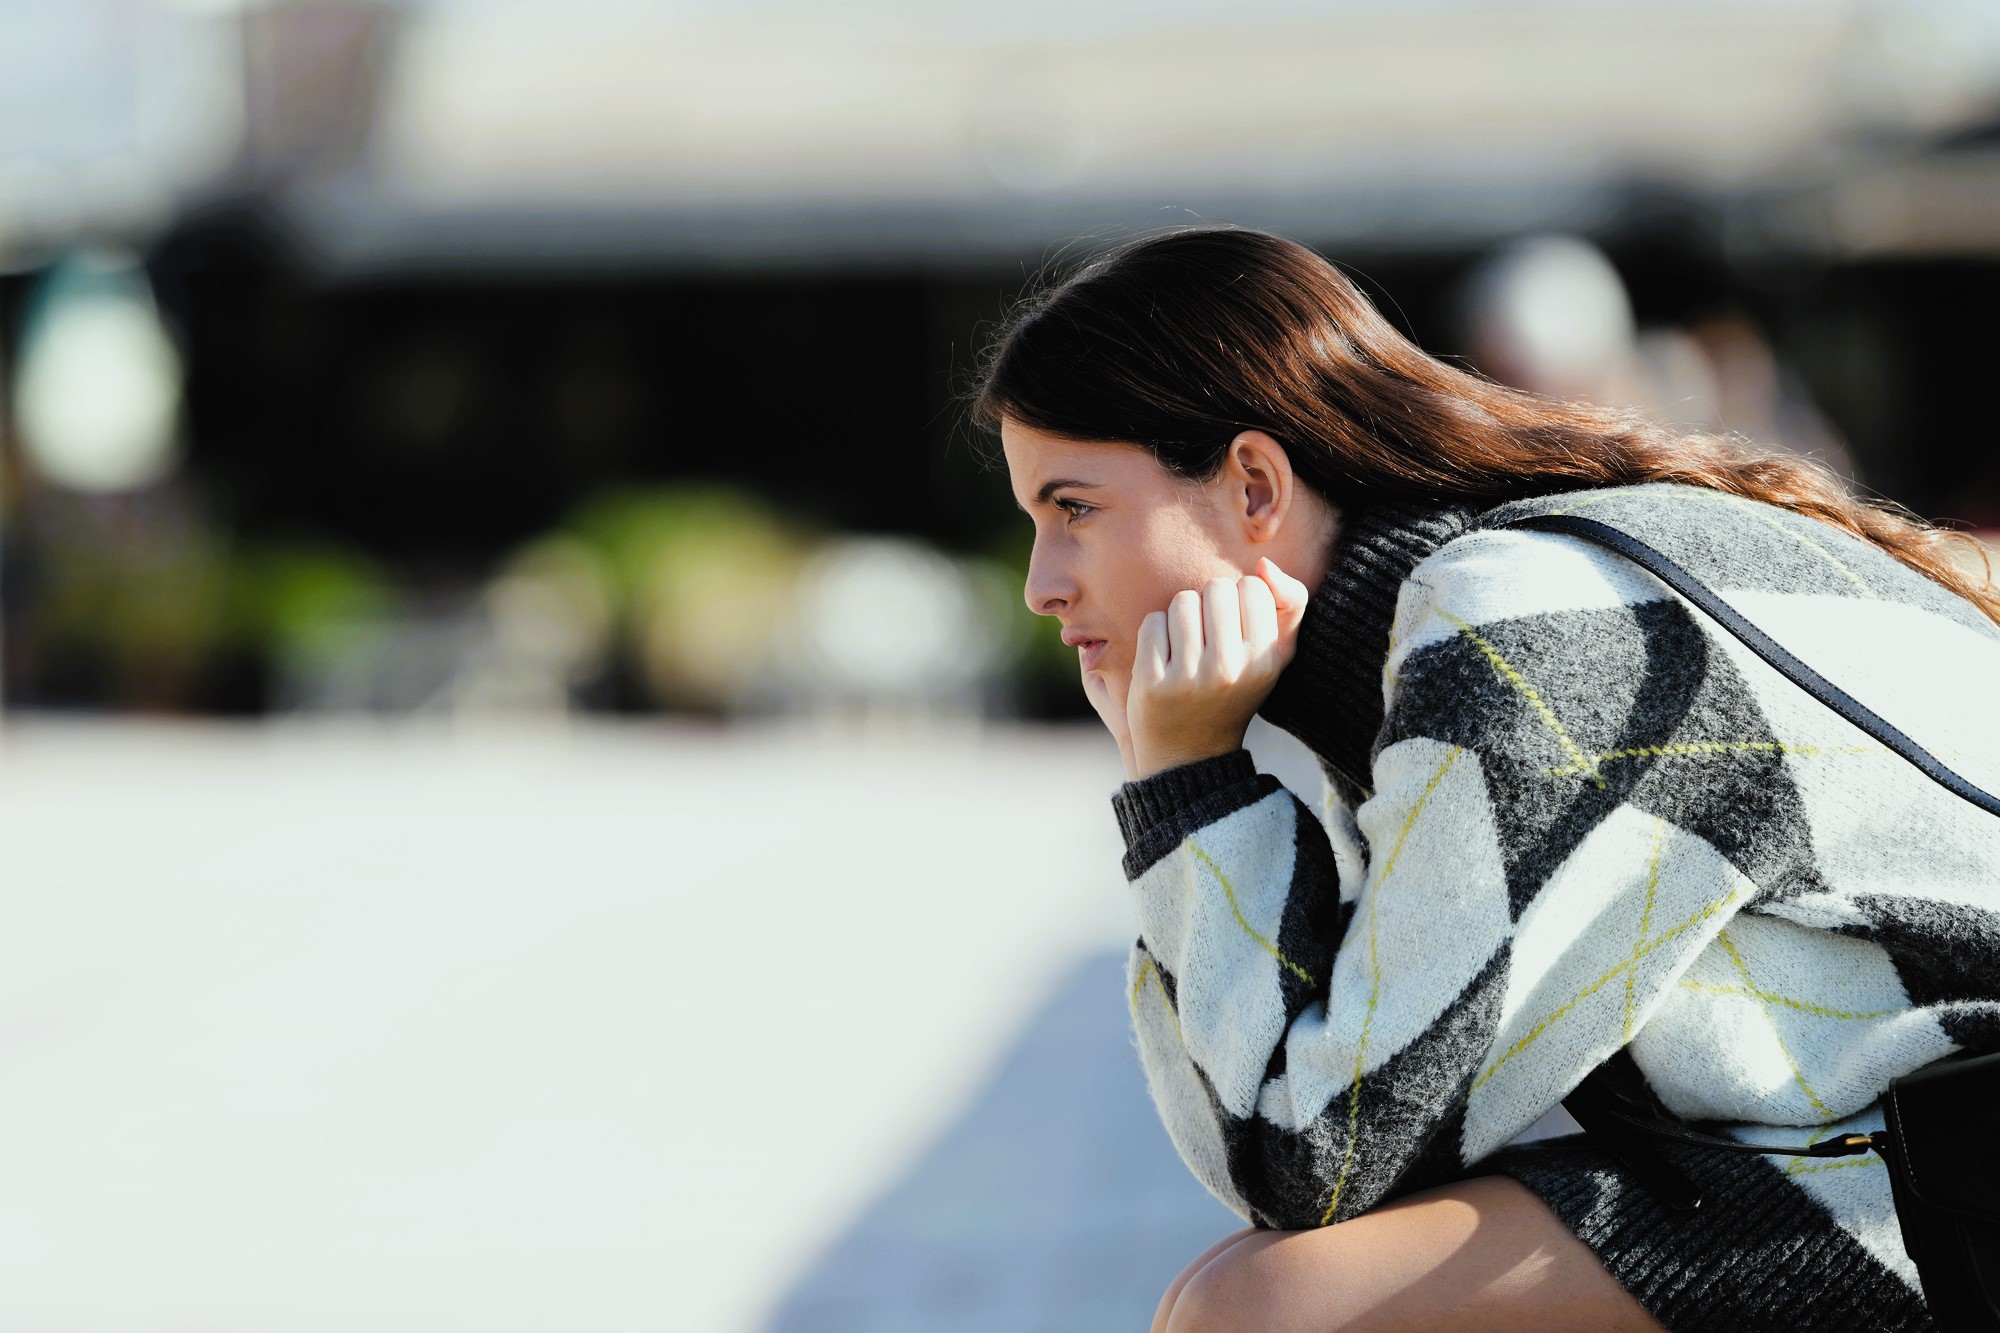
{"type": "Point", "coordinates": [1179, 340]}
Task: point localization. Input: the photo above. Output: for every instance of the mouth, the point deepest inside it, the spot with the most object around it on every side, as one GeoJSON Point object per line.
{"type": "Point", "coordinates": [1089, 651]}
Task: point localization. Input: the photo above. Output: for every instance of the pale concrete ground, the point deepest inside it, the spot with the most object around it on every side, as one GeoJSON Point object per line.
{"type": "Point", "coordinates": [319, 1027]}
{"type": "Point", "coordinates": [621, 1027]}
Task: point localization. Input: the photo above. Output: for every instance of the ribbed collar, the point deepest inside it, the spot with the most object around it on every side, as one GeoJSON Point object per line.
{"type": "Point", "coordinates": [1330, 696]}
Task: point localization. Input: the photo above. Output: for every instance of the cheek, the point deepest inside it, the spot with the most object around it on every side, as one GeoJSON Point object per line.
{"type": "Point", "coordinates": [1138, 571]}
{"type": "Point", "coordinates": [1144, 588]}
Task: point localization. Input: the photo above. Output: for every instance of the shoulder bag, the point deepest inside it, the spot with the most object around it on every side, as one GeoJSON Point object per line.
{"type": "Point", "coordinates": [1943, 1159]}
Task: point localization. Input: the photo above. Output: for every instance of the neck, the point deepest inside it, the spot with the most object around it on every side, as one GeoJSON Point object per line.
{"type": "Point", "coordinates": [1330, 696]}
{"type": "Point", "coordinates": [1309, 555]}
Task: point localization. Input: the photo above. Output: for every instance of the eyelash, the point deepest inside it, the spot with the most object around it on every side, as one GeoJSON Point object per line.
{"type": "Point", "coordinates": [1064, 505]}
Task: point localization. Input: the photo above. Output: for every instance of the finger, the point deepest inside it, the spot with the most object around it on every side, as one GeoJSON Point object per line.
{"type": "Point", "coordinates": [1289, 594]}
{"type": "Point", "coordinates": [1260, 612]}
{"type": "Point", "coordinates": [1184, 639]}
{"type": "Point", "coordinates": [1149, 657]}
{"type": "Point", "coordinates": [1222, 618]}
{"type": "Point", "coordinates": [1288, 591]}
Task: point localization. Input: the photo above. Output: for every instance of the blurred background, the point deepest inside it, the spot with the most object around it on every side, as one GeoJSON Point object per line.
{"type": "Point", "coordinates": [529, 791]}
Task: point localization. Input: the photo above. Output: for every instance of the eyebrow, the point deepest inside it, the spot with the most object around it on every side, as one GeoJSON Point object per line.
{"type": "Point", "coordinates": [1051, 487]}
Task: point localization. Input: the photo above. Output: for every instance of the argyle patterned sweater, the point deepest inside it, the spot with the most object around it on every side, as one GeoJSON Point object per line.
{"type": "Point", "coordinates": [1565, 814]}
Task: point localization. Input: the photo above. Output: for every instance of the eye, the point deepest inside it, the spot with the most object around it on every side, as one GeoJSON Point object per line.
{"type": "Point", "coordinates": [1074, 508]}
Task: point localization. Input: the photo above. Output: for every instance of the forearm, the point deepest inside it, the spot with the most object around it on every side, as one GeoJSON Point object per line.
{"type": "Point", "coordinates": [1315, 1048]}
{"type": "Point", "coordinates": [1239, 915]}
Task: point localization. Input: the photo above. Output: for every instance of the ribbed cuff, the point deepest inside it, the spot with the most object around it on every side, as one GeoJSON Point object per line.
{"type": "Point", "coordinates": [1150, 801]}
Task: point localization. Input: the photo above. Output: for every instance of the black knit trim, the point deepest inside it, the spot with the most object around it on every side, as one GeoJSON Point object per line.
{"type": "Point", "coordinates": [1330, 696]}
{"type": "Point", "coordinates": [1759, 1255]}
{"type": "Point", "coordinates": [1144, 803]}
{"type": "Point", "coordinates": [1155, 813]}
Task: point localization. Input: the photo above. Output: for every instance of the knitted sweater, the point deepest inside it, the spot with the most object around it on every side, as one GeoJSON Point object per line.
{"type": "Point", "coordinates": [1567, 814]}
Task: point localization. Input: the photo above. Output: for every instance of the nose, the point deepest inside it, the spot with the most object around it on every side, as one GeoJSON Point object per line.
{"type": "Point", "coordinates": [1049, 588]}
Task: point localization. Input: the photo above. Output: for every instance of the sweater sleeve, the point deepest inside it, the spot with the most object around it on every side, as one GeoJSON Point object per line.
{"type": "Point", "coordinates": [1323, 1030]}
{"type": "Point", "coordinates": [1305, 1045]}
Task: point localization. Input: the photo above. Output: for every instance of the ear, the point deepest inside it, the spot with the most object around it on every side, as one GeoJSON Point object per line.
{"type": "Point", "coordinates": [1261, 484]}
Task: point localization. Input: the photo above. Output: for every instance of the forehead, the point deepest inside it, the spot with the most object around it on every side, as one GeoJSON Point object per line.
{"type": "Point", "coordinates": [1035, 457]}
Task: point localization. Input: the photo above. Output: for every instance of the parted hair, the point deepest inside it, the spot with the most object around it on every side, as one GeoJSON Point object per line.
{"type": "Point", "coordinates": [1177, 341]}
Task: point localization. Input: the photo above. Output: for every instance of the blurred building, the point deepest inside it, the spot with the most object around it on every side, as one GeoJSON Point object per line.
{"type": "Point", "coordinates": [443, 282]}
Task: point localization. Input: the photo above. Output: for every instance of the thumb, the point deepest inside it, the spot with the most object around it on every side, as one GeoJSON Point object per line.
{"type": "Point", "coordinates": [1105, 698]}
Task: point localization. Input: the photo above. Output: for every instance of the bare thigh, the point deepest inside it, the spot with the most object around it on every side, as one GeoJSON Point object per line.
{"type": "Point", "coordinates": [1482, 1254]}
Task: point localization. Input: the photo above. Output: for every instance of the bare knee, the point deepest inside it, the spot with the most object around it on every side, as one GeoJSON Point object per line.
{"type": "Point", "coordinates": [1201, 1261]}
{"type": "Point", "coordinates": [1241, 1290]}
{"type": "Point", "coordinates": [1481, 1254]}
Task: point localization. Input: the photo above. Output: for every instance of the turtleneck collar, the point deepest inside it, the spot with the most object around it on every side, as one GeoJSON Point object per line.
{"type": "Point", "coordinates": [1330, 696]}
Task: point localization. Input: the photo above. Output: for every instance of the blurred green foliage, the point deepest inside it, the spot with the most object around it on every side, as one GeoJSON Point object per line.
{"type": "Point", "coordinates": [701, 573]}
{"type": "Point", "coordinates": [143, 619]}
{"type": "Point", "coordinates": [304, 600]}
{"type": "Point", "coordinates": [689, 589]}
{"type": "Point", "coordinates": [147, 610]}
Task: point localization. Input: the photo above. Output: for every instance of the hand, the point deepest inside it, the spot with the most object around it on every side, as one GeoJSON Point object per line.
{"type": "Point", "coordinates": [1204, 666]}
{"type": "Point", "coordinates": [1111, 709]}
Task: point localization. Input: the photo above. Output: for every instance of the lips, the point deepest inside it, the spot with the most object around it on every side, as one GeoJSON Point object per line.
{"type": "Point", "coordinates": [1089, 648]}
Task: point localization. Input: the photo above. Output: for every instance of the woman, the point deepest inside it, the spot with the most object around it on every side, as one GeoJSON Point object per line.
{"type": "Point", "coordinates": [1566, 816]}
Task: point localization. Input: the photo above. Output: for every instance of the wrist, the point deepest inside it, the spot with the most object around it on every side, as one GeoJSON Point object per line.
{"type": "Point", "coordinates": [1149, 760]}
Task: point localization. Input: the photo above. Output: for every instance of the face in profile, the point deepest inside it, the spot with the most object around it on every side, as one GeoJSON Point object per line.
{"type": "Point", "coordinates": [1116, 536]}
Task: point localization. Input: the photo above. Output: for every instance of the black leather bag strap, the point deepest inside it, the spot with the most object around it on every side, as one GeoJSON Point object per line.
{"type": "Point", "coordinates": [1847, 1145]}
{"type": "Point", "coordinates": [1596, 1104]}
{"type": "Point", "coordinates": [1945, 1198]}
{"type": "Point", "coordinates": [1762, 644]}
{"type": "Point", "coordinates": [1624, 1120]}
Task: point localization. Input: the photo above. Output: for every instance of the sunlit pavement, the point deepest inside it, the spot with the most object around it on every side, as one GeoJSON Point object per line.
{"type": "Point", "coordinates": [619, 1027]}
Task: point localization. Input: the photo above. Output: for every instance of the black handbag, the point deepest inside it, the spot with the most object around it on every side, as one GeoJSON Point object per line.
{"type": "Point", "coordinates": [1944, 1164]}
